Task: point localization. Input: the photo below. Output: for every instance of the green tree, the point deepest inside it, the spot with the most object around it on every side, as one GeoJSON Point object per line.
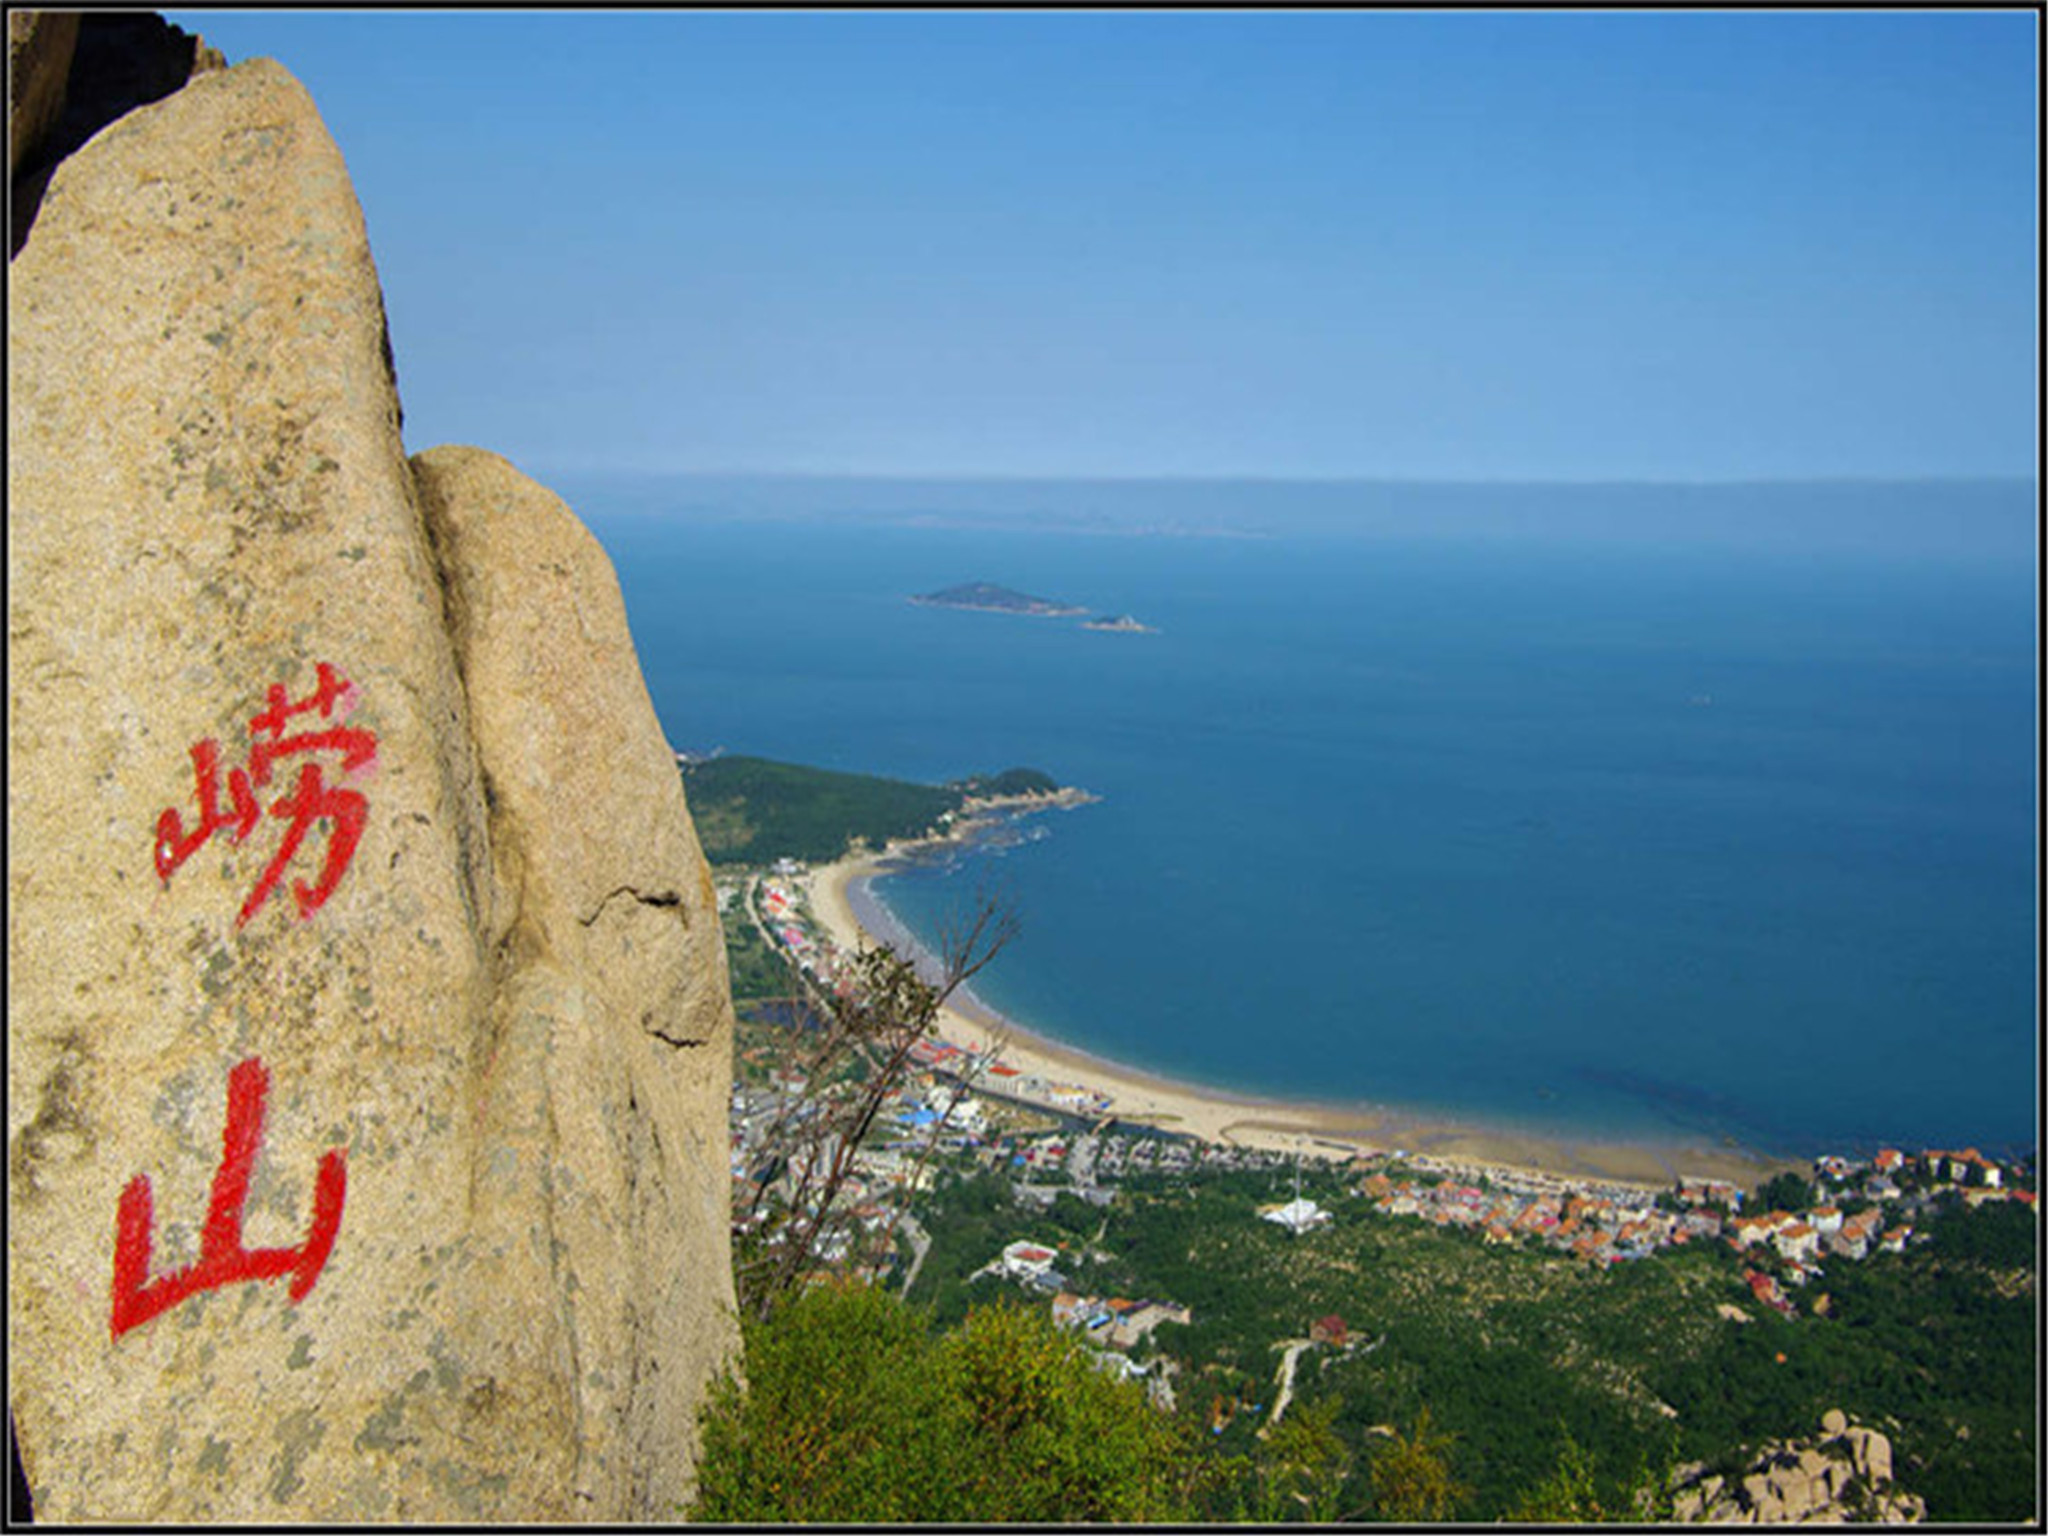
{"type": "Point", "coordinates": [1567, 1496]}
{"type": "Point", "coordinates": [838, 1419]}
{"type": "Point", "coordinates": [1411, 1476]}
{"type": "Point", "coordinates": [853, 1412]}
{"type": "Point", "coordinates": [1051, 1437]}
{"type": "Point", "coordinates": [1303, 1465]}
{"type": "Point", "coordinates": [1785, 1192]}
{"type": "Point", "coordinates": [1570, 1495]}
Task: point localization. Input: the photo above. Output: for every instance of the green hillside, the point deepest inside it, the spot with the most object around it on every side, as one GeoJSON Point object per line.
{"type": "Point", "coordinates": [750, 810]}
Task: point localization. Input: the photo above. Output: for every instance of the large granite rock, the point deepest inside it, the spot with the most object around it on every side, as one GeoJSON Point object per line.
{"type": "Point", "coordinates": [367, 1021]}
{"type": "Point", "coordinates": [611, 1020]}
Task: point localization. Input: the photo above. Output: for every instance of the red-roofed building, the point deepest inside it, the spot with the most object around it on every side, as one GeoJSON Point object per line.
{"type": "Point", "coordinates": [1025, 1258]}
{"type": "Point", "coordinates": [1765, 1288]}
{"type": "Point", "coordinates": [1750, 1229]}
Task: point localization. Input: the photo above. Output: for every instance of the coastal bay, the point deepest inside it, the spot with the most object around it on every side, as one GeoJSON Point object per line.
{"type": "Point", "coordinates": [846, 907]}
{"type": "Point", "coordinates": [1609, 846]}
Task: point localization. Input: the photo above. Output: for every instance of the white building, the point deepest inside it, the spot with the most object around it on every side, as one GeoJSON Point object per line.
{"type": "Point", "coordinates": [1797, 1241]}
{"type": "Point", "coordinates": [1298, 1215]}
{"type": "Point", "coordinates": [1024, 1260]}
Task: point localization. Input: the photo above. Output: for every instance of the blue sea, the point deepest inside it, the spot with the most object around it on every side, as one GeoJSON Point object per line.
{"type": "Point", "coordinates": [1658, 834]}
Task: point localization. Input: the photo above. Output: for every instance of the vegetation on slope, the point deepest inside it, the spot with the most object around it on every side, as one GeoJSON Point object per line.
{"type": "Point", "coordinates": [750, 810]}
{"type": "Point", "coordinates": [758, 972]}
{"type": "Point", "coordinates": [1547, 1381]}
{"type": "Point", "coordinates": [1478, 1382]}
{"type": "Point", "coordinates": [855, 1412]}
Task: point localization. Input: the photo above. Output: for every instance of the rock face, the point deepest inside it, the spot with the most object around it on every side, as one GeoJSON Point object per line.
{"type": "Point", "coordinates": [369, 1035]}
{"type": "Point", "coordinates": [1843, 1477]}
{"type": "Point", "coordinates": [69, 75]}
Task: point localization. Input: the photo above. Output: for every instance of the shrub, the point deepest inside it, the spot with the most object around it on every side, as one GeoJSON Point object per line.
{"type": "Point", "coordinates": [854, 1412]}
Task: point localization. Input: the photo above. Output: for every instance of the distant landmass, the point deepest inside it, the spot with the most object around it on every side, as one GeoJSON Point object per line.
{"type": "Point", "coordinates": [750, 810]}
{"type": "Point", "coordinates": [988, 597]}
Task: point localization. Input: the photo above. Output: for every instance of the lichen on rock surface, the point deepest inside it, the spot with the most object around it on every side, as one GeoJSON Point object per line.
{"type": "Point", "coordinates": [368, 1029]}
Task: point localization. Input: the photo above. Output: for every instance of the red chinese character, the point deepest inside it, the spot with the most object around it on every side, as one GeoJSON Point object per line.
{"type": "Point", "coordinates": [311, 800]}
{"type": "Point", "coordinates": [223, 1260]}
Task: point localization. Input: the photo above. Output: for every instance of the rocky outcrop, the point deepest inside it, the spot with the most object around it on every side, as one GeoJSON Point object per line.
{"type": "Point", "coordinates": [368, 1029]}
{"type": "Point", "coordinates": [70, 74]}
{"type": "Point", "coordinates": [611, 1019]}
{"type": "Point", "coordinates": [1845, 1476]}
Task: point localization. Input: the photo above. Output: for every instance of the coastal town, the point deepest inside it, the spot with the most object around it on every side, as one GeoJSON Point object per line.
{"type": "Point", "coordinates": [959, 1109]}
{"type": "Point", "coordinates": [1244, 1264]}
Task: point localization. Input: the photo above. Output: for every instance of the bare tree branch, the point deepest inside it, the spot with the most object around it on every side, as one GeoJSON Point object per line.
{"type": "Point", "coordinates": [875, 1020]}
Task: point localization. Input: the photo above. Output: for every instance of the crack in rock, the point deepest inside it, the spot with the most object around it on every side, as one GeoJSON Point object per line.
{"type": "Point", "coordinates": [649, 899]}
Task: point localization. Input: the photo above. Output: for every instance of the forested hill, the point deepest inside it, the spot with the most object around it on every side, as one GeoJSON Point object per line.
{"type": "Point", "coordinates": [749, 810]}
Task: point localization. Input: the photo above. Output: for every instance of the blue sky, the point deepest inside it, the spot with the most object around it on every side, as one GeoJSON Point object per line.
{"type": "Point", "coordinates": [1440, 245]}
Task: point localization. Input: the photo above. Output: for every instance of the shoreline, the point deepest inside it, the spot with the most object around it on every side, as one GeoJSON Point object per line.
{"type": "Point", "coordinates": [838, 891]}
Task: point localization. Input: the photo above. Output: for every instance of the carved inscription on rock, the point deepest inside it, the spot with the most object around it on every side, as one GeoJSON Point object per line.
{"type": "Point", "coordinates": [309, 801]}
{"type": "Point", "coordinates": [223, 1258]}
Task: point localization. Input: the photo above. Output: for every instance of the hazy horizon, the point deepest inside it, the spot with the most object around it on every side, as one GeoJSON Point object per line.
{"type": "Point", "coordinates": [1982, 523]}
{"type": "Point", "coordinates": [1276, 477]}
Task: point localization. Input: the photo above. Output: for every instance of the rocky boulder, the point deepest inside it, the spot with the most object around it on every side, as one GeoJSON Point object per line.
{"type": "Point", "coordinates": [70, 74]}
{"type": "Point", "coordinates": [1842, 1477]}
{"type": "Point", "coordinates": [367, 1020]}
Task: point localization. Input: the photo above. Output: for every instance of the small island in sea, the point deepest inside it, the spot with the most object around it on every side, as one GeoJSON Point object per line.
{"type": "Point", "coordinates": [987, 597]}
{"type": "Point", "coordinates": [1119, 624]}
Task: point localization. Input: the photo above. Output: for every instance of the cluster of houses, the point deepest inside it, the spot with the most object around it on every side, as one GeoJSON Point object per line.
{"type": "Point", "coordinates": [1112, 1323]}
{"type": "Point", "coordinates": [1601, 1226]}
{"type": "Point", "coordinates": [1978, 1178]}
{"type": "Point", "coordinates": [1119, 1155]}
{"type": "Point", "coordinates": [1801, 1239]}
{"type": "Point", "coordinates": [926, 1121]}
{"type": "Point", "coordinates": [1615, 1223]}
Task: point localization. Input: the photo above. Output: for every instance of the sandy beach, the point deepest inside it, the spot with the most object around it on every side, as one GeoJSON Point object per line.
{"type": "Point", "coordinates": [1329, 1131]}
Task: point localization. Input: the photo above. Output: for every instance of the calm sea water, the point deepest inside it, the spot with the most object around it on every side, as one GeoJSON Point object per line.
{"type": "Point", "coordinates": [1618, 839]}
